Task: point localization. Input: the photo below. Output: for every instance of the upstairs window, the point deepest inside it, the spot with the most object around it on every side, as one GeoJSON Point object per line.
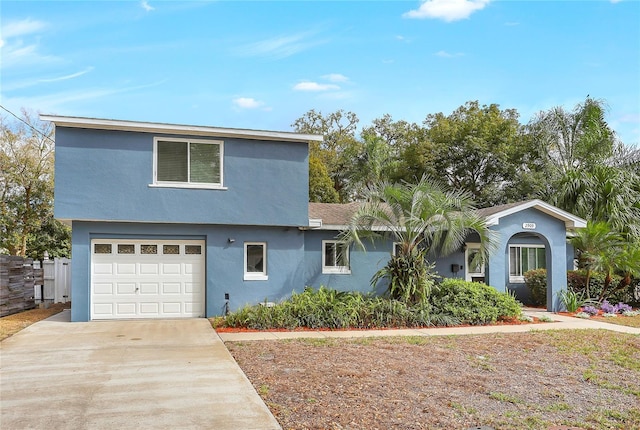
{"type": "Point", "coordinates": [190, 163]}
{"type": "Point", "coordinates": [335, 257]}
{"type": "Point", "coordinates": [523, 258]}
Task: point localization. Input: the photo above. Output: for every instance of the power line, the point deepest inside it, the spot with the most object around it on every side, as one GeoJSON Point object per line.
{"type": "Point", "coordinates": [27, 124]}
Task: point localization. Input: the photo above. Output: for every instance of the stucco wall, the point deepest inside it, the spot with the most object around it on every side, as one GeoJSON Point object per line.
{"type": "Point", "coordinates": [551, 231]}
{"type": "Point", "coordinates": [224, 260]}
{"type": "Point", "coordinates": [105, 175]}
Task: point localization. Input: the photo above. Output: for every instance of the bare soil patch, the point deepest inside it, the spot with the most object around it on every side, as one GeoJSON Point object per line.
{"type": "Point", "coordinates": [536, 380]}
{"type": "Point", "coordinates": [12, 324]}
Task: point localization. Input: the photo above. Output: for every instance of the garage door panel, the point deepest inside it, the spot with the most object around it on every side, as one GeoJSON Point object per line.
{"type": "Point", "coordinates": [149, 269]}
{"type": "Point", "coordinates": [171, 288]}
{"type": "Point", "coordinates": [154, 279]}
{"type": "Point", "coordinates": [172, 307]}
{"type": "Point", "coordinates": [171, 269]}
{"type": "Point", "coordinates": [150, 308]}
{"type": "Point", "coordinates": [125, 309]}
{"type": "Point", "coordinates": [149, 288]}
{"type": "Point", "coordinates": [102, 268]}
{"type": "Point", "coordinates": [125, 268]}
{"type": "Point", "coordinates": [125, 288]}
{"type": "Point", "coordinates": [103, 288]}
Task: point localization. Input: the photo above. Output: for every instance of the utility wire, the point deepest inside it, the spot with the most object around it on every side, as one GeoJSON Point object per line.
{"type": "Point", "coordinates": [27, 124]}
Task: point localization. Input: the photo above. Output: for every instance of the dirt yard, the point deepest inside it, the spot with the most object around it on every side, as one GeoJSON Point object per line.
{"type": "Point", "coordinates": [583, 378]}
{"type": "Point", "coordinates": [12, 324]}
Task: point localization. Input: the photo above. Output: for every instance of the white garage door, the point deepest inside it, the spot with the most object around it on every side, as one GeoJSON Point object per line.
{"type": "Point", "coordinates": [147, 278]}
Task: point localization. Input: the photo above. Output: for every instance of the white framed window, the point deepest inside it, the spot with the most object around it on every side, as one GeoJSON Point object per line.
{"type": "Point", "coordinates": [335, 257]}
{"type": "Point", "coordinates": [397, 247]}
{"type": "Point", "coordinates": [255, 261]}
{"type": "Point", "coordinates": [523, 258]}
{"type": "Point", "coordinates": [188, 163]}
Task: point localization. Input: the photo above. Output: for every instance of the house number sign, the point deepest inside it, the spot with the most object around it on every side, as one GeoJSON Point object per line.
{"type": "Point", "coordinates": [529, 225]}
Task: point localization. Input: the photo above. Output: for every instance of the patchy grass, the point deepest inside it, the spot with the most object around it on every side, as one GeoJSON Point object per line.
{"type": "Point", "coordinates": [12, 324]}
{"type": "Point", "coordinates": [534, 380]}
{"type": "Point", "coordinates": [621, 320]}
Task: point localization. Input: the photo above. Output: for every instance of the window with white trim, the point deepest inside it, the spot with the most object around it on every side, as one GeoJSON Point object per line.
{"type": "Point", "coordinates": [255, 261]}
{"type": "Point", "coordinates": [523, 258]}
{"type": "Point", "coordinates": [397, 248]}
{"type": "Point", "coordinates": [193, 163]}
{"type": "Point", "coordinates": [335, 257]}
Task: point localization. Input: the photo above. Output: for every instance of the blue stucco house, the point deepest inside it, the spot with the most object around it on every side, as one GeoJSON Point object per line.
{"type": "Point", "coordinates": [174, 221]}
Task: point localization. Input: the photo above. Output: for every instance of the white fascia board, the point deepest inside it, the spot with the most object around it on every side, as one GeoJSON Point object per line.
{"type": "Point", "coordinates": [315, 222]}
{"type": "Point", "coordinates": [335, 227]}
{"type": "Point", "coordinates": [570, 220]}
{"type": "Point", "coordinates": [152, 127]}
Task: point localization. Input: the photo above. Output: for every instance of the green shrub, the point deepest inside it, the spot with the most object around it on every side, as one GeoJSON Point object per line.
{"type": "Point", "coordinates": [327, 308]}
{"type": "Point", "coordinates": [576, 281]}
{"type": "Point", "coordinates": [536, 282]}
{"type": "Point", "coordinates": [571, 300]}
{"type": "Point", "coordinates": [473, 302]}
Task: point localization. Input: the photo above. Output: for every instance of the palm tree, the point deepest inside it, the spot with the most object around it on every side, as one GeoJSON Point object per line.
{"type": "Point", "coordinates": [597, 245]}
{"type": "Point", "coordinates": [423, 219]}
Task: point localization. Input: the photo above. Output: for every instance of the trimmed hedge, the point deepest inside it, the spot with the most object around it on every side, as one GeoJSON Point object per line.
{"type": "Point", "coordinates": [473, 302]}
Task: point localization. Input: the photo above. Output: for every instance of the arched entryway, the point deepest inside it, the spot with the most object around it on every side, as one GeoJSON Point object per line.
{"type": "Point", "coordinates": [527, 251]}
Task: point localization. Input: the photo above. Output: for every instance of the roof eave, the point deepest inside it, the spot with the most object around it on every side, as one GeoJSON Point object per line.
{"type": "Point", "coordinates": [152, 127]}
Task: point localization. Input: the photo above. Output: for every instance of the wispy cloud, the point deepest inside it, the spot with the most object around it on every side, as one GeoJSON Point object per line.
{"type": "Point", "coordinates": [247, 103]}
{"type": "Point", "coordinates": [445, 54]}
{"type": "Point", "coordinates": [59, 102]}
{"type": "Point", "coordinates": [314, 86]}
{"type": "Point", "coordinates": [22, 28]}
{"type": "Point", "coordinates": [512, 23]}
{"type": "Point", "coordinates": [281, 46]}
{"type": "Point", "coordinates": [335, 77]}
{"type": "Point", "coordinates": [67, 77]}
{"type": "Point", "coordinates": [615, 1]}
{"type": "Point", "coordinates": [146, 6]}
{"type": "Point", "coordinates": [446, 10]}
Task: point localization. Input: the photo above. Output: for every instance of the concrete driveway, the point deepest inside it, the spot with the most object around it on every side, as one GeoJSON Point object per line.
{"type": "Point", "coordinates": [164, 374]}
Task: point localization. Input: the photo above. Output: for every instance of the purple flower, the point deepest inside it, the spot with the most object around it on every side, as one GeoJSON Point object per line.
{"type": "Point", "coordinates": [590, 310]}
{"type": "Point", "coordinates": [622, 307]}
{"type": "Point", "coordinates": [607, 307]}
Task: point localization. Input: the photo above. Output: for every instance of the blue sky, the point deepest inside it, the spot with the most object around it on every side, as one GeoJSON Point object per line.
{"type": "Point", "coordinates": [263, 64]}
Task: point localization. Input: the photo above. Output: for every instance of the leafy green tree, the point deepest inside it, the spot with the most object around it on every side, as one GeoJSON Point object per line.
{"type": "Point", "coordinates": [422, 219]}
{"type": "Point", "coordinates": [476, 149]}
{"type": "Point", "coordinates": [372, 164]}
{"type": "Point", "coordinates": [26, 185]}
{"type": "Point", "coordinates": [320, 185]}
{"type": "Point", "coordinates": [338, 146]}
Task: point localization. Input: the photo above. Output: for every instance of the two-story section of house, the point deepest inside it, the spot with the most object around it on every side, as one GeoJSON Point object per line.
{"type": "Point", "coordinates": [177, 221]}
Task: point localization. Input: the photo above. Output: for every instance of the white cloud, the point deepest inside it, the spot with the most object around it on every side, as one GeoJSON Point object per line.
{"type": "Point", "coordinates": [335, 77]}
{"type": "Point", "coordinates": [280, 47]}
{"type": "Point", "coordinates": [247, 103]}
{"type": "Point", "coordinates": [21, 28]}
{"type": "Point", "coordinates": [615, 1]}
{"type": "Point", "coordinates": [314, 86]}
{"type": "Point", "coordinates": [146, 6]}
{"type": "Point", "coordinates": [446, 10]}
{"type": "Point", "coordinates": [445, 54]}
{"type": "Point", "coordinates": [67, 77]}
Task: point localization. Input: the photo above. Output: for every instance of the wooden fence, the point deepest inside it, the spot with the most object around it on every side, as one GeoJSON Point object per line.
{"type": "Point", "coordinates": [18, 276]}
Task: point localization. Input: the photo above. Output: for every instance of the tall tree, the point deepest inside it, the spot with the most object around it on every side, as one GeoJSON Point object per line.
{"type": "Point", "coordinates": [576, 139]}
{"type": "Point", "coordinates": [339, 131]}
{"type": "Point", "coordinates": [26, 184]}
{"type": "Point", "coordinates": [476, 148]}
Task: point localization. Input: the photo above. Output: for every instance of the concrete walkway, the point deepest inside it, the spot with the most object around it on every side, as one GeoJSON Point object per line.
{"type": "Point", "coordinates": [152, 374]}
{"type": "Point", "coordinates": [559, 322]}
